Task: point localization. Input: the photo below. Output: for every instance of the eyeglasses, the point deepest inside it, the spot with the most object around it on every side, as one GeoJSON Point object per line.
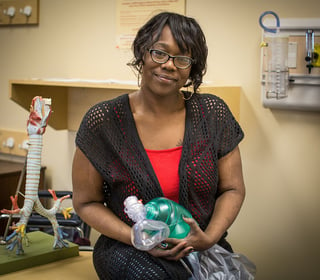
{"type": "Point", "coordinates": [179, 61]}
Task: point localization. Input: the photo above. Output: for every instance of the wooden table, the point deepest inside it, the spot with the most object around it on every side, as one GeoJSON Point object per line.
{"type": "Point", "coordinates": [80, 267]}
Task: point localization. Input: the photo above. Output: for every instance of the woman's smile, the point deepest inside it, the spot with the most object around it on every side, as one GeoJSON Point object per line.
{"type": "Point", "coordinates": [165, 78]}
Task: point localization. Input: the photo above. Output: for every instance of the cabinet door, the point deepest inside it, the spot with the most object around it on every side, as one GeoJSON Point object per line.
{"type": "Point", "coordinates": [9, 179]}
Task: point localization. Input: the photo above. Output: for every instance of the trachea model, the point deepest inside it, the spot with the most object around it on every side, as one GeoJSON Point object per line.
{"type": "Point", "coordinates": [40, 111]}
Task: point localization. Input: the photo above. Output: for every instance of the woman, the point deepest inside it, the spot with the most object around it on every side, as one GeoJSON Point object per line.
{"type": "Point", "coordinates": [159, 141]}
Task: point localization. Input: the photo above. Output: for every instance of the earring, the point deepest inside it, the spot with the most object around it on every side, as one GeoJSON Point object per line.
{"type": "Point", "coordinates": [139, 80]}
{"type": "Point", "coordinates": [190, 94]}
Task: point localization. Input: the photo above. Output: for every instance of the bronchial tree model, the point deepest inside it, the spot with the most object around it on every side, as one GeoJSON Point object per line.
{"type": "Point", "coordinates": [40, 111]}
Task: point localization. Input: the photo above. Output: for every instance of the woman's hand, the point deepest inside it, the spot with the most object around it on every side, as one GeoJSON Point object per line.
{"type": "Point", "coordinates": [197, 238]}
{"type": "Point", "coordinates": [176, 249]}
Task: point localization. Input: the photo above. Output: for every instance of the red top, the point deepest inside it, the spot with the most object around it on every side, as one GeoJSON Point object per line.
{"type": "Point", "coordinates": [165, 164]}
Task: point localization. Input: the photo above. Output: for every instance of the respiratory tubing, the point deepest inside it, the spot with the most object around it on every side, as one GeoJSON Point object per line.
{"type": "Point", "coordinates": [145, 234]}
{"type": "Point", "coordinates": [267, 29]}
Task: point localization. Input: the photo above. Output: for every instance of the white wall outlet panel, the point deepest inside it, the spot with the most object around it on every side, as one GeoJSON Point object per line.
{"type": "Point", "coordinates": [19, 12]}
{"type": "Point", "coordinates": [13, 142]}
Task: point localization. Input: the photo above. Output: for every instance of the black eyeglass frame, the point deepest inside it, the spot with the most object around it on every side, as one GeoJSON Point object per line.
{"type": "Point", "coordinates": [192, 61]}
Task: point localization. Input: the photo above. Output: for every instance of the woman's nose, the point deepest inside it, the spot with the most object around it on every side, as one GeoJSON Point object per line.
{"type": "Point", "coordinates": [169, 63]}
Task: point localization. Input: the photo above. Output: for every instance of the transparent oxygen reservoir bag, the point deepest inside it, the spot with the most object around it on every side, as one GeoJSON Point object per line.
{"type": "Point", "coordinates": [275, 72]}
{"type": "Point", "coordinates": [155, 221]}
{"type": "Point", "coordinates": [275, 66]}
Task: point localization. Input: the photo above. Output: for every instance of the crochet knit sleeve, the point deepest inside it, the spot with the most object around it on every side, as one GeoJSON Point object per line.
{"type": "Point", "coordinates": [226, 128]}
{"type": "Point", "coordinates": [90, 139]}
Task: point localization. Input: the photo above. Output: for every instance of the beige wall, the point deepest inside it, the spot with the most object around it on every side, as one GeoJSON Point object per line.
{"type": "Point", "coordinates": [279, 225]}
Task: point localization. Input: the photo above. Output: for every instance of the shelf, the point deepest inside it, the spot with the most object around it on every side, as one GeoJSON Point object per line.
{"type": "Point", "coordinates": [71, 99]}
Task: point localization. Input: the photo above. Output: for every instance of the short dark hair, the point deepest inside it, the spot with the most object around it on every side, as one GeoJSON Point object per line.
{"type": "Point", "coordinates": [188, 35]}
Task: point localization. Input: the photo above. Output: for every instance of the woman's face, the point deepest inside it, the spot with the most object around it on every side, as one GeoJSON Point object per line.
{"type": "Point", "coordinates": [164, 79]}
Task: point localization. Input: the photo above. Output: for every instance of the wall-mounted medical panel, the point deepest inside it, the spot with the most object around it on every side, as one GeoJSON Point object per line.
{"type": "Point", "coordinates": [290, 65]}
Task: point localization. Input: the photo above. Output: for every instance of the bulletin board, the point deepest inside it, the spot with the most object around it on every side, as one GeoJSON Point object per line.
{"type": "Point", "coordinates": [132, 14]}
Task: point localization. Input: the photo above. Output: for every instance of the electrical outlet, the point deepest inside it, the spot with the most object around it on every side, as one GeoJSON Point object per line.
{"type": "Point", "coordinates": [19, 12]}
{"type": "Point", "coordinates": [13, 142]}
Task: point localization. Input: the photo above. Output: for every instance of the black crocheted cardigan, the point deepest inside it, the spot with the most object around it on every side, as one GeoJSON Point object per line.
{"type": "Point", "coordinates": [109, 139]}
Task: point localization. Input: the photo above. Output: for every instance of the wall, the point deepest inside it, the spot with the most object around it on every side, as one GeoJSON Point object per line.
{"type": "Point", "coordinates": [278, 227]}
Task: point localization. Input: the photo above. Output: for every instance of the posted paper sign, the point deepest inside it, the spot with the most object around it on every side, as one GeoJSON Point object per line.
{"type": "Point", "coordinates": [132, 14]}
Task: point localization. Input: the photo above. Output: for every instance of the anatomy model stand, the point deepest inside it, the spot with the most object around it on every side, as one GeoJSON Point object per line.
{"type": "Point", "coordinates": [40, 111]}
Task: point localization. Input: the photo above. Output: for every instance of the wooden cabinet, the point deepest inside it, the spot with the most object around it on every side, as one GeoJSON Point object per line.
{"type": "Point", "coordinates": [9, 179]}
{"type": "Point", "coordinates": [71, 100]}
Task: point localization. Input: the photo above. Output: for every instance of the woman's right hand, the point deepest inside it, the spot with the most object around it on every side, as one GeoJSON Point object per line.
{"type": "Point", "coordinates": [196, 240]}
{"type": "Point", "coordinates": [175, 249]}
